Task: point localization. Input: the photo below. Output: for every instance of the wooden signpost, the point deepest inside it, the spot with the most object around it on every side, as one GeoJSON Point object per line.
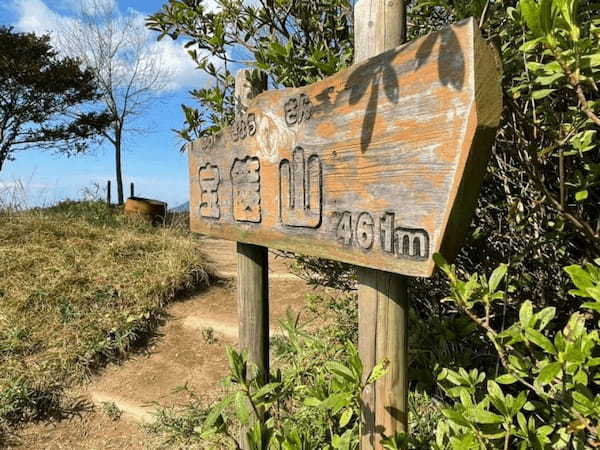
{"type": "Point", "coordinates": [378, 165]}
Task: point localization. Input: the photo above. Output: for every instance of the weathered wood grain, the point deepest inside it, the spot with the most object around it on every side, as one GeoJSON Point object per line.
{"type": "Point", "coordinates": [378, 26]}
{"type": "Point", "coordinates": [253, 303]}
{"type": "Point", "coordinates": [382, 297]}
{"type": "Point", "coordinates": [382, 326]}
{"type": "Point", "coordinates": [252, 261]}
{"type": "Point", "coordinates": [368, 301]}
{"type": "Point", "coordinates": [383, 321]}
{"type": "Point", "coordinates": [378, 165]}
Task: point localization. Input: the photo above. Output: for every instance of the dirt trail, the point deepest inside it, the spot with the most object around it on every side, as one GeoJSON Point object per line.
{"type": "Point", "coordinates": [189, 350]}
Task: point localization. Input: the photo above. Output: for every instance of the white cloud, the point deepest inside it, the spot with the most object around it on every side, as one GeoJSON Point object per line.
{"type": "Point", "coordinates": [181, 65]}
{"type": "Point", "coordinates": [173, 55]}
{"type": "Point", "coordinates": [35, 16]}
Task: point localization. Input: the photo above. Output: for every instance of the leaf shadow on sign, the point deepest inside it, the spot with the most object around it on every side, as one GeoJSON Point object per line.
{"type": "Point", "coordinates": [379, 72]}
{"type": "Point", "coordinates": [451, 73]}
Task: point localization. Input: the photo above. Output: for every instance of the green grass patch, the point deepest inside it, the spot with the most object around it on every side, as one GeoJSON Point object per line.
{"type": "Point", "coordinates": [79, 286]}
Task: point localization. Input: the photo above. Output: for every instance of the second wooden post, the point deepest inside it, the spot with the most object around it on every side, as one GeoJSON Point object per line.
{"type": "Point", "coordinates": [380, 25]}
{"type": "Point", "coordinates": [382, 334]}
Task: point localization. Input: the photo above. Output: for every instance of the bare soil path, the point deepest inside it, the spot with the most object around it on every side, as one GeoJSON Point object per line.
{"type": "Point", "coordinates": [189, 350]}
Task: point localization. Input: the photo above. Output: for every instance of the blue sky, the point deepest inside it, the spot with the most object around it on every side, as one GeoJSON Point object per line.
{"type": "Point", "coordinates": [152, 161]}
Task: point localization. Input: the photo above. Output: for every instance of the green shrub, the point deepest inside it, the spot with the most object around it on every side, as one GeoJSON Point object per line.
{"type": "Point", "coordinates": [342, 307]}
{"type": "Point", "coordinates": [544, 394]}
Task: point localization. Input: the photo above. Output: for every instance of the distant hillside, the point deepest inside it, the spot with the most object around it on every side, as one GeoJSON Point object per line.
{"type": "Point", "coordinates": [185, 207]}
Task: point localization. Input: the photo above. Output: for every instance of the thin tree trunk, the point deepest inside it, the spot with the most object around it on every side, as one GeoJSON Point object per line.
{"type": "Point", "coordinates": [118, 166]}
{"type": "Point", "coordinates": [3, 155]}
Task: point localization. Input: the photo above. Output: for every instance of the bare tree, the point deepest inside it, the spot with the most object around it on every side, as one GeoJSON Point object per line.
{"type": "Point", "coordinates": [118, 49]}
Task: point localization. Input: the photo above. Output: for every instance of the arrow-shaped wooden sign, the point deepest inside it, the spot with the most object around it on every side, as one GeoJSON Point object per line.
{"type": "Point", "coordinates": [379, 165]}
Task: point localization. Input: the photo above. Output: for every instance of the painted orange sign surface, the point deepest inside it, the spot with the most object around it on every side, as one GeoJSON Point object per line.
{"type": "Point", "coordinates": [378, 165]}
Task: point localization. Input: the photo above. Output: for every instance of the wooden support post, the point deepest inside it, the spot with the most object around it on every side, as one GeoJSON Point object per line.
{"type": "Point", "coordinates": [379, 25]}
{"type": "Point", "coordinates": [253, 303]}
{"type": "Point", "coordinates": [382, 334]}
{"type": "Point", "coordinates": [108, 192]}
{"type": "Point", "coordinates": [253, 273]}
{"type": "Point", "coordinates": [383, 302]}
{"type": "Point", "coordinates": [131, 190]}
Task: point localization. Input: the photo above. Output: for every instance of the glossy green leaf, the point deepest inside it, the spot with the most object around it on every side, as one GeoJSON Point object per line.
{"type": "Point", "coordinates": [541, 93]}
{"type": "Point", "coordinates": [242, 407]}
{"type": "Point", "coordinates": [346, 417]}
{"type": "Point", "coordinates": [526, 313]}
{"type": "Point", "coordinates": [581, 195]}
{"type": "Point", "coordinates": [548, 373]}
{"type": "Point", "coordinates": [530, 11]}
{"type": "Point", "coordinates": [497, 275]}
{"type": "Point", "coordinates": [579, 277]}
{"type": "Point", "coordinates": [484, 417]}
{"type": "Point", "coordinates": [341, 370]}
{"type": "Point", "coordinates": [540, 340]}
{"type": "Point", "coordinates": [506, 379]}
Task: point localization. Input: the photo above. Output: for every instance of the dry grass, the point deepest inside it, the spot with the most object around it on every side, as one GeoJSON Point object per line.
{"type": "Point", "coordinates": [78, 287]}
